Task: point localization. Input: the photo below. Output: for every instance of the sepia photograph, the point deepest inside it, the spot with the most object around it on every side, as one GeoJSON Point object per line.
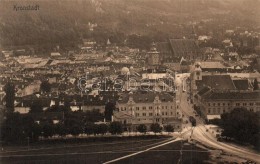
{"type": "Point", "coordinates": [129, 81]}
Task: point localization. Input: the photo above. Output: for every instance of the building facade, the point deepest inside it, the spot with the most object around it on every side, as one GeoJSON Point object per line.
{"type": "Point", "coordinates": [213, 102]}
{"type": "Point", "coordinates": [134, 109]}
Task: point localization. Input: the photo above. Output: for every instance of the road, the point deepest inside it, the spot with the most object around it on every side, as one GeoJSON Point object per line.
{"type": "Point", "coordinates": [203, 136]}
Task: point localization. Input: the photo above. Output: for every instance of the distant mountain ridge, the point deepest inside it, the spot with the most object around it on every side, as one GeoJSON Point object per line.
{"type": "Point", "coordinates": [67, 21]}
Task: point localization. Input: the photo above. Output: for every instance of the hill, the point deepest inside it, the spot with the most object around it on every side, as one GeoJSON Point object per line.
{"type": "Point", "coordinates": [65, 22]}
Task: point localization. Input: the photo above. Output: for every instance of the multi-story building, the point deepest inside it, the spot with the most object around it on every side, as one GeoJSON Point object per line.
{"type": "Point", "coordinates": [213, 103]}
{"type": "Point", "coordinates": [146, 108]}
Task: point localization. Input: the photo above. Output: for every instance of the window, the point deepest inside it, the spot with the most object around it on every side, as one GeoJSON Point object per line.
{"type": "Point", "coordinates": [218, 104]}
{"type": "Point", "coordinates": [122, 108]}
{"type": "Point", "coordinates": [137, 114]}
{"type": "Point", "coordinates": [171, 113]}
{"type": "Point", "coordinates": [125, 108]}
{"type": "Point", "coordinates": [150, 114]}
{"type": "Point", "coordinates": [144, 107]}
{"type": "Point", "coordinates": [166, 113]}
{"type": "Point", "coordinates": [213, 104]}
{"type": "Point", "coordinates": [224, 110]}
{"type": "Point", "coordinates": [137, 108]}
{"type": "Point", "coordinates": [209, 111]}
{"type": "Point", "coordinates": [237, 104]}
{"type": "Point", "coordinates": [224, 104]}
{"type": "Point", "coordinates": [162, 107]}
{"type": "Point", "coordinates": [244, 104]}
{"type": "Point", "coordinates": [144, 114]}
{"type": "Point", "coordinates": [171, 107]}
{"type": "Point", "coordinates": [208, 104]}
{"type": "Point", "coordinates": [163, 113]}
{"type": "Point", "coordinates": [251, 104]}
{"type": "Point", "coordinates": [150, 107]}
{"type": "Point", "coordinates": [251, 110]}
{"type": "Point", "coordinates": [165, 107]}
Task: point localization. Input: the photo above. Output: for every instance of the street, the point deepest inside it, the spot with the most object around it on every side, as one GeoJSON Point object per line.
{"type": "Point", "coordinates": [201, 134]}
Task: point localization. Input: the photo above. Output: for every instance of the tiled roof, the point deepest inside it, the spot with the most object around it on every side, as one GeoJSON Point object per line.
{"type": "Point", "coordinates": [94, 100]}
{"type": "Point", "coordinates": [163, 47]}
{"type": "Point", "coordinates": [212, 65]}
{"type": "Point", "coordinates": [220, 82]}
{"type": "Point", "coordinates": [233, 96]}
{"type": "Point", "coordinates": [145, 97]}
{"type": "Point", "coordinates": [241, 84]}
{"type": "Point", "coordinates": [181, 47]}
{"type": "Point", "coordinates": [203, 90]}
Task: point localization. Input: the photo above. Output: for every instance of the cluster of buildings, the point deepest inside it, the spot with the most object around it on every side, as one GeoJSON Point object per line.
{"type": "Point", "coordinates": [215, 92]}
{"type": "Point", "coordinates": [140, 83]}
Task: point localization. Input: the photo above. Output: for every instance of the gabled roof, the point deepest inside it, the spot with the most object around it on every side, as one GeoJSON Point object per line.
{"type": "Point", "coordinates": [123, 115]}
{"type": "Point", "coordinates": [219, 82]}
{"type": "Point", "coordinates": [183, 46]}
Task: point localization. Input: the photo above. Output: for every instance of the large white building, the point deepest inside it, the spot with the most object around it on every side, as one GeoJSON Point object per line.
{"type": "Point", "coordinates": [146, 108]}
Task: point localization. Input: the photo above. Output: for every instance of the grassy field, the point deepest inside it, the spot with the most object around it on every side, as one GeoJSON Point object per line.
{"type": "Point", "coordinates": [170, 154]}
{"type": "Point", "coordinates": [102, 151]}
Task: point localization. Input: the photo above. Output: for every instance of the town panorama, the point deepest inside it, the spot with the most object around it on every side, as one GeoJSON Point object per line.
{"type": "Point", "coordinates": [129, 81]}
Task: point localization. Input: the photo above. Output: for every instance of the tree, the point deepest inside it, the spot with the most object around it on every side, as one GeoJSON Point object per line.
{"type": "Point", "coordinates": [102, 129]}
{"type": "Point", "coordinates": [36, 132]}
{"type": "Point", "coordinates": [109, 108]}
{"type": "Point", "coordinates": [169, 128]}
{"type": "Point", "coordinates": [156, 128]}
{"type": "Point", "coordinates": [141, 128]}
{"type": "Point", "coordinates": [76, 130]}
{"type": "Point", "coordinates": [36, 107]}
{"type": "Point", "coordinates": [45, 86]}
{"type": "Point", "coordinates": [11, 128]}
{"type": "Point", "coordinates": [241, 125]}
{"type": "Point", "coordinates": [116, 128]}
{"type": "Point", "coordinates": [89, 128]}
{"type": "Point", "coordinates": [255, 85]}
{"type": "Point", "coordinates": [10, 95]}
{"type": "Point", "coordinates": [47, 129]}
{"type": "Point", "coordinates": [60, 129]}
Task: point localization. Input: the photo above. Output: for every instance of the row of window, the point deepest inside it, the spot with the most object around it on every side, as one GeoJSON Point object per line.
{"type": "Point", "coordinates": [151, 114]}
{"type": "Point", "coordinates": [220, 111]}
{"type": "Point", "coordinates": [237, 104]}
{"type": "Point", "coordinates": [144, 108]}
{"type": "Point", "coordinates": [216, 111]}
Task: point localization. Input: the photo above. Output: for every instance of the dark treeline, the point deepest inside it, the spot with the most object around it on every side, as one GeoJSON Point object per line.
{"type": "Point", "coordinates": [240, 125]}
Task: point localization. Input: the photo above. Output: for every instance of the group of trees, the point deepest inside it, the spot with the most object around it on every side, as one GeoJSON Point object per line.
{"type": "Point", "coordinates": [155, 127]}
{"type": "Point", "coordinates": [17, 128]}
{"type": "Point", "coordinates": [241, 125]}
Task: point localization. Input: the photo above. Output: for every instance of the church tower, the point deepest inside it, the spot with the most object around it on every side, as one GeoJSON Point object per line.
{"type": "Point", "coordinates": [153, 56]}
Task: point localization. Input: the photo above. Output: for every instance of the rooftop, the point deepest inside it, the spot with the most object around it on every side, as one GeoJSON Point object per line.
{"type": "Point", "coordinates": [219, 82]}
{"type": "Point", "coordinates": [145, 97]}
